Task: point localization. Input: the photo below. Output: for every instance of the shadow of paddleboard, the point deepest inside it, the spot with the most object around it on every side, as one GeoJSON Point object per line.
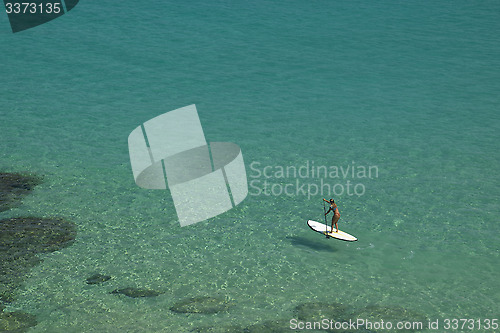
{"type": "Point", "coordinates": [313, 245]}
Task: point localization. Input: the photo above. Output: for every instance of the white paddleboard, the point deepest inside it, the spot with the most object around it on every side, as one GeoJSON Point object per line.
{"type": "Point", "coordinates": [327, 231]}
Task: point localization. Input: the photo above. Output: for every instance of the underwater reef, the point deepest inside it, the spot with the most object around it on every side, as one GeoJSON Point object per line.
{"type": "Point", "coordinates": [316, 311]}
{"type": "Point", "coordinates": [16, 321]}
{"type": "Point", "coordinates": [22, 239]}
{"type": "Point", "coordinates": [14, 187]}
{"type": "Point", "coordinates": [137, 292]}
{"type": "Point", "coordinates": [306, 312]}
{"type": "Point", "coordinates": [98, 278]}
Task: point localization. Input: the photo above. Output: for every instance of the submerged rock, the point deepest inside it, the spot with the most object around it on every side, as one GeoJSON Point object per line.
{"type": "Point", "coordinates": [98, 278]}
{"type": "Point", "coordinates": [13, 187]}
{"type": "Point", "coordinates": [13, 271]}
{"type": "Point", "coordinates": [30, 235]}
{"type": "Point", "coordinates": [317, 311]}
{"type": "Point", "coordinates": [16, 321]}
{"type": "Point", "coordinates": [21, 239]}
{"type": "Point", "coordinates": [136, 292]}
{"type": "Point", "coordinates": [201, 304]}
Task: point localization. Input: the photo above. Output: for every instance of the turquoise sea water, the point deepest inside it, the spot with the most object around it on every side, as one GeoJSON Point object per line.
{"type": "Point", "coordinates": [411, 88]}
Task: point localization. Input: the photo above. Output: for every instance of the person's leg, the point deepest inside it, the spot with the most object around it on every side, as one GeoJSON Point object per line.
{"type": "Point", "coordinates": [335, 219]}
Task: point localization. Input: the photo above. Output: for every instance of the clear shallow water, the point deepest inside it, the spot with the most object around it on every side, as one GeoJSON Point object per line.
{"type": "Point", "coordinates": [412, 89]}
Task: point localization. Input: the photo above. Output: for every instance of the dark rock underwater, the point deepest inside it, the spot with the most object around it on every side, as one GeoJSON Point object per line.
{"type": "Point", "coordinates": [22, 239]}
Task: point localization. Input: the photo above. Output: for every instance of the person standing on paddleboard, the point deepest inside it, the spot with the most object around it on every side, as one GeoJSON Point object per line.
{"type": "Point", "coordinates": [336, 213]}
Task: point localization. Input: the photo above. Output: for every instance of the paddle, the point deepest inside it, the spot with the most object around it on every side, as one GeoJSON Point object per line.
{"type": "Point", "coordinates": [326, 224]}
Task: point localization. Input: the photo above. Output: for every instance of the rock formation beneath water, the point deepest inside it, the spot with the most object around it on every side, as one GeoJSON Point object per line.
{"type": "Point", "coordinates": [14, 187]}
{"type": "Point", "coordinates": [317, 311]}
{"type": "Point", "coordinates": [21, 240]}
{"type": "Point", "coordinates": [98, 278]}
{"type": "Point", "coordinates": [17, 321]}
{"type": "Point", "coordinates": [137, 292]}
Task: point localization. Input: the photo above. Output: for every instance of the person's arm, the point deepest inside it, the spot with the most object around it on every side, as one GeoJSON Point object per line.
{"type": "Point", "coordinates": [329, 209]}
{"type": "Point", "coordinates": [325, 200]}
